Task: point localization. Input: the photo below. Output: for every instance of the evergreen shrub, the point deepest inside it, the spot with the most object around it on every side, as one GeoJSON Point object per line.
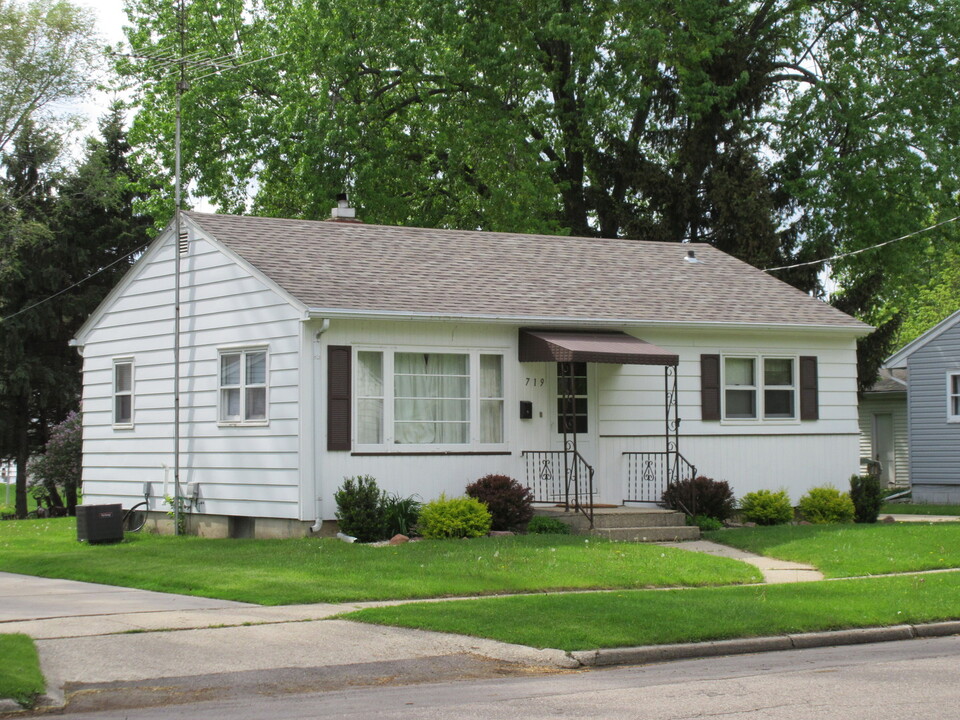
{"type": "Point", "coordinates": [867, 496]}
{"type": "Point", "coordinates": [765, 507]}
{"type": "Point", "coordinates": [461, 517]}
{"type": "Point", "coordinates": [824, 505]}
{"type": "Point", "coordinates": [360, 508]}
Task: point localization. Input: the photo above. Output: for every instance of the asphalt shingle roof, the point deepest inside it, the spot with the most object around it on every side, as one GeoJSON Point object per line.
{"type": "Point", "coordinates": [377, 268]}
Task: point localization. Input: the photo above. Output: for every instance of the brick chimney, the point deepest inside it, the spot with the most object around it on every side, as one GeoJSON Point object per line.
{"type": "Point", "coordinates": [343, 212]}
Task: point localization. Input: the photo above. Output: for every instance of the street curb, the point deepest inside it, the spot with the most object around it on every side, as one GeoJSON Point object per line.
{"type": "Point", "coordinates": [648, 654]}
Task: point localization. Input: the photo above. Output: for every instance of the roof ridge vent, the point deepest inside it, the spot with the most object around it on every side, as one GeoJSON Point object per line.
{"type": "Point", "coordinates": [343, 212]}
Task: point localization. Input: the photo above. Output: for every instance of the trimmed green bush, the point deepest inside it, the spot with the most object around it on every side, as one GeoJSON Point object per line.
{"type": "Point", "coordinates": [867, 496]}
{"type": "Point", "coordinates": [543, 525]}
{"type": "Point", "coordinates": [765, 507]}
{"type": "Point", "coordinates": [824, 505]}
{"type": "Point", "coordinates": [461, 517]}
{"type": "Point", "coordinates": [510, 503]}
{"type": "Point", "coordinates": [360, 508]}
{"type": "Point", "coordinates": [701, 496]}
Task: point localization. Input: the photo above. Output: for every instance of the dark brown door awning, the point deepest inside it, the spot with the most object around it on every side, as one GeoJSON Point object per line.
{"type": "Point", "coordinates": [597, 347]}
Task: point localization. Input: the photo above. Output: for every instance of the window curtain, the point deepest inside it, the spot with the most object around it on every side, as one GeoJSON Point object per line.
{"type": "Point", "coordinates": [370, 397]}
{"type": "Point", "coordinates": [432, 399]}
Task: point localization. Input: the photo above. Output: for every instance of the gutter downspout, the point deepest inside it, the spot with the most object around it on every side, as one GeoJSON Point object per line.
{"type": "Point", "coordinates": [318, 522]}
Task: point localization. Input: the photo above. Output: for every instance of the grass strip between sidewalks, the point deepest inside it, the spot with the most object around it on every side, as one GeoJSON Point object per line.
{"type": "Point", "coordinates": [310, 570]}
{"type": "Point", "coordinates": [588, 621]}
{"type": "Point", "coordinates": [20, 676]}
{"type": "Point", "coordinates": [918, 509]}
{"type": "Point", "coordinates": [853, 550]}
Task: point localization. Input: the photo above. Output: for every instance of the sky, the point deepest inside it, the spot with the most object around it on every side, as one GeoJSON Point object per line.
{"type": "Point", "coordinates": [110, 18]}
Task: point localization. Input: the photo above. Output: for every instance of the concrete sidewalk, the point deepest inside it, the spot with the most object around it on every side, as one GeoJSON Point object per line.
{"type": "Point", "coordinates": [109, 646]}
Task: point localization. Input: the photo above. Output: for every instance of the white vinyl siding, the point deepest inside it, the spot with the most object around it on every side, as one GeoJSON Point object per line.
{"type": "Point", "coordinates": [123, 393]}
{"type": "Point", "coordinates": [244, 470]}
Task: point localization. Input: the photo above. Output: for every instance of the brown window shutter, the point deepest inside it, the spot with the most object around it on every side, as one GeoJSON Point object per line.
{"type": "Point", "coordinates": [710, 387]}
{"type": "Point", "coordinates": [339, 358]}
{"type": "Point", "coordinates": [809, 402]}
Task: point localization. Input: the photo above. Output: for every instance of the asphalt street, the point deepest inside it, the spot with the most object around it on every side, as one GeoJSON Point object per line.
{"type": "Point", "coordinates": [885, 681]}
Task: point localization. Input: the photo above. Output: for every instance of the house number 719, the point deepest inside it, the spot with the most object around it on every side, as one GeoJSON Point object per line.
{"type": "Point", "coordinates": [535, 382]}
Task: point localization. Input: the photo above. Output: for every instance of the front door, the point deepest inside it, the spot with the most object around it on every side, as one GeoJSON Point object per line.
{"type": "Point", "coordinates": [580, 414]}
{"type": "Point", "coordinates": [883, 451]}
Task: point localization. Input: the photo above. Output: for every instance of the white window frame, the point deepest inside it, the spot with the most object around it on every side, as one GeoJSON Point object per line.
{"type": "Point", "coordinates": [115, 393]}
{"type": "Point", "coordinates": [240, 420]}
{"type": "Point", "coordinates": [759, 387]}
{"type": "Point", "coordinates": [388, 444]}
{"type": "Point", "coordinates": [951, 416]}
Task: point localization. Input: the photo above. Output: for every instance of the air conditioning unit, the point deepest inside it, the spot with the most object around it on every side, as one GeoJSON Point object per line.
{"type": "Point", "coordinates": [99, 523]}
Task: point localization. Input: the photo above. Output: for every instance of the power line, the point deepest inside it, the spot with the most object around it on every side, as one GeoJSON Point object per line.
{"type": "Point", "coordinates": [76, 284]}
{"type": "Point", "coordinates": [863, 250]}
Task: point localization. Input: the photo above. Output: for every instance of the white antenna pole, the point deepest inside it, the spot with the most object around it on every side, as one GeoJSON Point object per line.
{"type": "Point", "coordinates": [181, 86]}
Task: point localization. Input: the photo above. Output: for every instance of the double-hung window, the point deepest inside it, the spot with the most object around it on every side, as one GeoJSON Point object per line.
{"type": "Point", "coordinates": [243, 386]}
{"type": "Point", "coordinates": [759, 387]}
{"type": "Point", "coordinates": [953, 397]}
{"type": "Point", "coordinates": [123, 393]}
{"type": "Point", "coordinates": [414, 399]}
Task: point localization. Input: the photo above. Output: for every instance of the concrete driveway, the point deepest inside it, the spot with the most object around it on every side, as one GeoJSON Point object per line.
{"type": "Point", "coordinates": [103, 646]}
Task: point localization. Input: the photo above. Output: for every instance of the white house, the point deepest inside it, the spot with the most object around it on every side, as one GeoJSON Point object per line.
{"type": "Point", "coordinates": [312, 351]}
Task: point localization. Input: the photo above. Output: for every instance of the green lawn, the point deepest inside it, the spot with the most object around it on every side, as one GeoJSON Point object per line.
{"type": "Point", "coordinates": [911, 509]}
{"type": "Point", "coordinates": [308, 570]}
{"type": "Point", "coordinates": [587, 621]}
{"type": "Point", "coordinates": [852, 550]}
{"type": "Point", "coordinates": [20, 676]}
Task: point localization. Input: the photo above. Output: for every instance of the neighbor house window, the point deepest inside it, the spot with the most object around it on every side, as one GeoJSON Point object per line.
{"type": "Point", "coordinates": [759, 387]}
{"type": "Point", "coordinates": [243, 386]}
{"type": "Point", "coordinates": [953, 397]}
{"type": "Point", "coordinates": [428, 399]}
{"type": "Point", "coordinates": [123, 393]}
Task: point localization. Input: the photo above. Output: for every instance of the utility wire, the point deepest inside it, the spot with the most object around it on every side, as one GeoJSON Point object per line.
{"type": "Point", "coordinates": [76, 284]}
{"type": "Point", "coordinates": [863, 250]}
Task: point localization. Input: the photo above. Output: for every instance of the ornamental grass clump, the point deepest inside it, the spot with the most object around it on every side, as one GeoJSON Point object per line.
{"type": "Point", "coordinates": [461, 517]}
{"type": "Point", "coordinates": [765, 507]}
{"type": "Point", "coordinates": [824, 505]}
{"type": "Point", "coordinates": [510, 503]}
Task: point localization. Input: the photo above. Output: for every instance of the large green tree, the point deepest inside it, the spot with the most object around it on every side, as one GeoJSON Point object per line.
{"type": "Point", "coordinates": [777, 130]}
{"type": "Point", "coordinates": [48, 53]}
{"type": "Point", "coordinates": [65, 238]}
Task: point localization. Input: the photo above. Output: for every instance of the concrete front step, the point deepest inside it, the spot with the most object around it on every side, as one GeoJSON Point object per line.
{"type": "Point", "coordinates": [629, 524]}
{"type": "Point", "coordinates": [672, 533]}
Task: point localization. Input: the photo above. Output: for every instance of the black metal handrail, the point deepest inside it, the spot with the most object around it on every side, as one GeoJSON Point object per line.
{"type": "Point", "coordinates": [561, 477]}
{"type": "Point", "coordinates": [649, 473]}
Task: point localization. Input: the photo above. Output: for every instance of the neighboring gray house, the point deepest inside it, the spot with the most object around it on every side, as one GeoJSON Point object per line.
{"type": "Point", "coordinates": [883, 428]}
{"type": "Point", "coordinates": [932, 362]}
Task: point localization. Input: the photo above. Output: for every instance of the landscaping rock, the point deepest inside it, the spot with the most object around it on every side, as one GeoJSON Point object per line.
{"type": "Point", "coordinates": [399, 539]}
{"type": "Point", "coordinates": [888, 519]}
{"type": "Point", "coordinates": [804, 522]}
{"type": "Point", "coordinates": [749, 524]}
{"type": "Point", "coordinates": [500, 533]}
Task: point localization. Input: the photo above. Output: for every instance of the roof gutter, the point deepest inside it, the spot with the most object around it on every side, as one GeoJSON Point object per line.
{"type": "Point", "coordinates": [573, 322]}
